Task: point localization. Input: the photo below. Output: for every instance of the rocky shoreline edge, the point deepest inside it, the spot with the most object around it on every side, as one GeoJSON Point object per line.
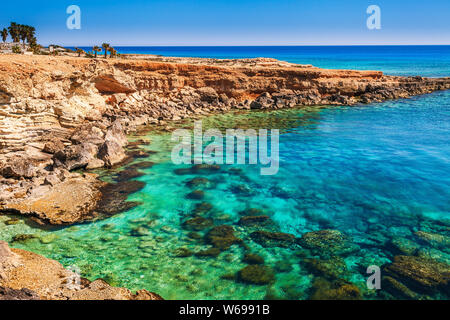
{"type": "Point", "coordinates": [60, 115]}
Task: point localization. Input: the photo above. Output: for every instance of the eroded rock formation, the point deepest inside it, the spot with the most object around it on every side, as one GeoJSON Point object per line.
{"type": "Point", "coordinates": [28, 276]}
{"type": "Point", "coordinates": [59, 114]}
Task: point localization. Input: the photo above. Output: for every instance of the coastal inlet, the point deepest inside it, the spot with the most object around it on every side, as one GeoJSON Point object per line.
{"type": "Point", "coordinates": [357, 186]}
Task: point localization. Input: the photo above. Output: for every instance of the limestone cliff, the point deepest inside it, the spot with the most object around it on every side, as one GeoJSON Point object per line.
{"type": "Point", "coordinates": [58, 114]}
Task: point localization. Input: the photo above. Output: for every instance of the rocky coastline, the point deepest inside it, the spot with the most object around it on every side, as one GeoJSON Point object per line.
{"type": "Point", "coordinates": [61, 117]}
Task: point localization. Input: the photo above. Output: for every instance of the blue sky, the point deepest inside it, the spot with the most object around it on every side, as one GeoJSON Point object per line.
{"type": "Point", "coordinates": [231, 22]}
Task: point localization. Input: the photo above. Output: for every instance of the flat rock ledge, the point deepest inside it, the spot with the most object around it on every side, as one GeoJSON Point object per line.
{"type": "Point", "coordinates": [68, 202]}
{"type": "Point", "coordinates": [28, 276]}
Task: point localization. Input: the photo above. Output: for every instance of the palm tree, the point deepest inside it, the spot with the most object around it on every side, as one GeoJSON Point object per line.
{"type": "Point", "coordinates": [96, 49]}
{"type": "Point", "coordinates": [30, 33]}
{"type": "Point", "coordinates": [4, 34]}
{"type": "Point", "coordinates": [14, 32]}
{"type": "Point", "coordinates": [79, 51]}
{"type": "Point", "coordinates": [112, 52]}
{"type": "Point", "coordinates": [23, 30]}
{"type": "Point", "coordinates": [106, 47]}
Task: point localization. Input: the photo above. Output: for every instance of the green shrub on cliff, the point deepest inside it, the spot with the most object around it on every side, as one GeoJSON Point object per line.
{"type": "Point", "coordinates": [16, 49]}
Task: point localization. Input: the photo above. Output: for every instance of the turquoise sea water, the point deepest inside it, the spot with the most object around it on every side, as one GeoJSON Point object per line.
{"type": "Point", "coordinates": [377, 173]}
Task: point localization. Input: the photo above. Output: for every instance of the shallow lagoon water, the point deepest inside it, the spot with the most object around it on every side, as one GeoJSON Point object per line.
{"type": "Point", "coordinates": [376, 173]}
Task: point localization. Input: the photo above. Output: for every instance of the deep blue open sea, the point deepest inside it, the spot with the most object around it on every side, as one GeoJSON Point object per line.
{"type": "Point", "coordinates": [378, 174]}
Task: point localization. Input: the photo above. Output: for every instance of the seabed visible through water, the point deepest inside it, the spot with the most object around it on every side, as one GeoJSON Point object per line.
{"type": "Point", "coordinates": [376, 175]}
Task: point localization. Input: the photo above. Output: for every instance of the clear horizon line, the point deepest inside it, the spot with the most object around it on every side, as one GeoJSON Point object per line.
{"type": "Point", "coordinates": [268, 45]}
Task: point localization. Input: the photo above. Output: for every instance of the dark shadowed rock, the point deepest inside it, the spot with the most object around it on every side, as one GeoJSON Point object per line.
{"type": "Point", "coordinates": [273, 239]}
{"type": "Point", "coordinates": [419, 274]}
{"type": "Point", "coordinates": [202, 208]}
{"type": "Point", "coordinates": [398, 289]}
{"type": "Point", "coordinates": [112, 150]}
{"type": "Point", "coordinates": [208, 94]}
{"type": "Point", "coordinates": [111, 153]}
{"type": "Point", "coordinates": [252, 258]}
{"type": "Point", "coordinates": [114, 197]}
{"type": "Point", "coordinates": [199, 182]}
{"type": "Point", "coordinates": [333, 268]}
{"type": "Point", "coordinates": [13, 294]}
{"type": "Point", "coordinates": [256, 274]}
{"type": "Point", "coordinates": [197, 223]}
{"type": "Point", "coordinates": [198, 169]}
{"type": "Point", "coordinates": [241, 189]}
{"type": "Point", "coordinates": [18, 167]}
{"type": "Point", "coordinates": [222, 237]}
{"type": "Point", "coordinates": [76, 156]}
{"type": "Point", "coordinates": [88, 134]}
{"type": "Point", "coordinates": [53, 146]}
{"type": "Point", "coordinates": [128, 174]}
{"type": "Point", "coordinates": [264, 101]}
{"type": "Point", "coordinates": [141, 165]}
{"type": "Point", "coordinates": [328, 243]}
{"type": "Point", "coordinates": [252, 221]}
{"type": "Point", "coordinates": [251, 212]}
{"type": "Point", "coordinates": [323, 289]}
{"type": "Point", "coordinates": [183, 253]}
{"type": "Point", "coordinates": [196, 195]}
{"type": "Point", "coordinates": [208, 253]}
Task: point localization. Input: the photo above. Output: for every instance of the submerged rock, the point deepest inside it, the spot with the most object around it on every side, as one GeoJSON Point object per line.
{"type": "Point", "coordinates": [333, 268]}
{"type": "Point", "coordinates": [23, 237]}
{"type": "Point", "coordinates": [251, 212]}
{"type": "Point", "coordinates": [402, 246]}
{"type": "Point", "coordinates": [208, 253]}
{"type": "Point", "coordinates": [323, 289]}
{"type": "Point", "coordinates": [273, 239]}
{"type": "Point", "coordinates": [136, 154]}
{"type": "Point", "coordinates": [252, 221]}
{"type": "Point", "coordinates": [12, 221]}
{"type": "Point", "coordinates": [327, 243]}
{"type": "Point", "coordinates": [141, 165]}
{"type": "Point", "coordinates": [421, 275]}
{"type": "Point", "coordinates": [433, 239]}
{"type": "Point", "coordinates": [183, 253]}
{"type": "Point", "coordinates": [114, 197]}
{"type": "Point", "coordinates": [283, 266]}
{"type": "Point", "coordinates": [206, 168]}
{"type": "Point", "coordinates": [199, 182]}
{"type": "Point", "coordinates": [222, 237]}
{"type": "Point", "coordinates": [241, 189]}
{"type": "Point", "coordinates": [128, 174]}
{"type": "Point", "coordinates": [252, 258]}
{"type": "Point", "coordinates": [198, 169]}
{"type": "Point", "coordinates": [397, 289]}
{"type": "Point", "coordinates": [194, 235]}
{"type": "Point", "coordinates": [202, 208]}
{"type": "Point", "coordinates": [256, 274]}
{"type": "Point", "coordinates": [196, 195]}
{"type": "Point", "coordinates": [140, 232]}
{"type": "Point", "coordinates": [198, 224]}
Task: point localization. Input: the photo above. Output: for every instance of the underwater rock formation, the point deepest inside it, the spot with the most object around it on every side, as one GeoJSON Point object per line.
{"type": "Point", "coordinates": [256, 274]}
{"type": "Point", "coordinates": [423, 276]}
{"type": "Point", "coordinates": [273, 239]}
